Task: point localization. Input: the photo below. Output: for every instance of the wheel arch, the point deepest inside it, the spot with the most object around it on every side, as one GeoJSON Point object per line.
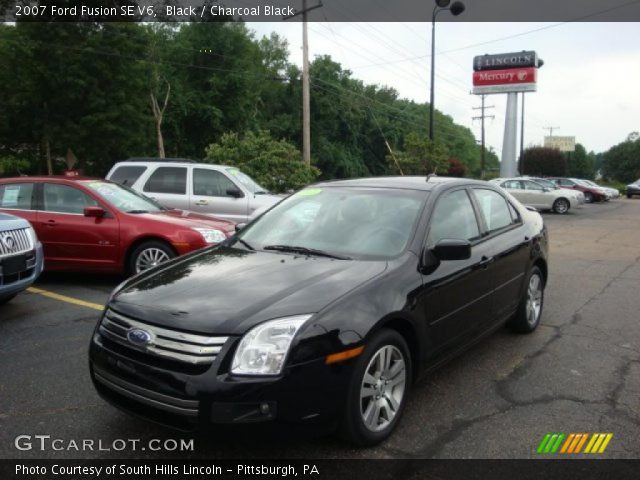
{"type": "Point", "coordinates": [407, 329]}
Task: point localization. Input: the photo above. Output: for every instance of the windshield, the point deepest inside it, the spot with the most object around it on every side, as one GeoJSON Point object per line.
{"type": "Point", "coordinates": [246, 180]}
{"type": "Point", "coordinates": [123, 198]}
{"type": "Point", "coordinates": [343, 222]}
{"type": "Point", "coordinates": [584, 183]}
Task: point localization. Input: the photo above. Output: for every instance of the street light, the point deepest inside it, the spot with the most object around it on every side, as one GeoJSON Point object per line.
{"type": "Point", "coordinates": [456, 9]}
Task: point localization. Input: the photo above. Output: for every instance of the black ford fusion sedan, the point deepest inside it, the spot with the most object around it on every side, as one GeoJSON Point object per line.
{"type": "Point", "coordinates": [327, 307]}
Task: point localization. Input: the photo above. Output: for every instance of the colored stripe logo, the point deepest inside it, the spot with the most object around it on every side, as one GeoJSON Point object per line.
{"type": "Point", "coordinates": [574, 443]}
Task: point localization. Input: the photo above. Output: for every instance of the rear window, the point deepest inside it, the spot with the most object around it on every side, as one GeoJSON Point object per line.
{"type": "Point", "coordinates": [127, 175]}
{"type": "Point", "coordinates": [16, 196]}
{"type": "Point", "coordinates": [167, 180]}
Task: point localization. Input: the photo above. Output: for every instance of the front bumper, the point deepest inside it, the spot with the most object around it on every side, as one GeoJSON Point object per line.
{"type": "Point", "coordinates": [19, 281]}
{"type": "Point", "coordinates": [189, 397]}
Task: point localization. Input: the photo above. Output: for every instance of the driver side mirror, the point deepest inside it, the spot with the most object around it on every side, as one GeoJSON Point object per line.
{"type": "Point", "coordinates": [240, 226]}
{"type": "Point", "coordinates": [94, 212]}
{"type": "Point", "coordinates": [452, 249]}
{"type": "Point", "coordinates": [234, 192]}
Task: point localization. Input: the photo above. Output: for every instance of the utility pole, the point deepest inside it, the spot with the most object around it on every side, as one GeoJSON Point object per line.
{"type": "Point", "coordinates": [481, 117]}
{"type": "Point", "coordinates": [551, 129]}
{"type": "Point", "coordinates": [306, 97]}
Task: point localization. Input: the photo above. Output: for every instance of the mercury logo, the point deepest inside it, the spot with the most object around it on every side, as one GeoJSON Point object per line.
{"type": "Point", "coordinates": [9, 243]}
{"type": "Point", "coordinates": [522, 75]}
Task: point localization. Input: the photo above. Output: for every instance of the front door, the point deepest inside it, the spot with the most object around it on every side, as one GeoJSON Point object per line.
{"type": "Point", "coordinates": [70, 239]}
{"type": "Point", "coordinates": [211, 195]}
{"type": "Point", "coordinates": [456, 295]}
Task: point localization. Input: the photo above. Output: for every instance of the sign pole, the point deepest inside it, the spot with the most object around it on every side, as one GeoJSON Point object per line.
{"type": "Point", "coordinates": [507, 162]}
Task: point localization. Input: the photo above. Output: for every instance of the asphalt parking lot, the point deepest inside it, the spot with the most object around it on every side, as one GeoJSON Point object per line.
{"type": "Point", "coordinates": [579, 372]}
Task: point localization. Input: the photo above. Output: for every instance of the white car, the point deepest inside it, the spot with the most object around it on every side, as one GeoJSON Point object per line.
{"type": "Point", "coordinates": [533, 194]}
{"type": "Point", "coordinates": [567, 191]}
{"type": "Point", "coordinates": [216, 190]}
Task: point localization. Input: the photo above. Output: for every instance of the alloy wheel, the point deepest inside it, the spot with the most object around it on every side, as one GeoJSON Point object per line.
{"type": "Point", "coordinates": [383, 388]}
{"type": "Point", "coordinates": [562, 206]}
{"type": "Point", "coordinates": [534, 299]}
{"type": "Point", "coordinates": [150, 257]}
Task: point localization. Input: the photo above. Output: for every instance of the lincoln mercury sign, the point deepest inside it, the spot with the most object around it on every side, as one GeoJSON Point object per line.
{"type": "Point", "coordinates": [506, 60]}
{"type": "Point", "coordinates": [504, 81]}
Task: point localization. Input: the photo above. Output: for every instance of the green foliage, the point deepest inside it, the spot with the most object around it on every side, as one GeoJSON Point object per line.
{"type": "Point", "coordinates": [580, 164]}
{"type": "Point", "coordinates": [544, 162]}
{"type": "Point", "coordinates": [275, 164]}
{"type": "Point", "coordinates": [13, 166]}
{"type": "Point", "coordinates": [420, 156]}
{"type": "Point", "coordinates": [622, 161]}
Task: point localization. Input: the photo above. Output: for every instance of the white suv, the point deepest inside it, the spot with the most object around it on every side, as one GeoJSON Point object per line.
{"type": "Point", "coordinates": [217, 190]}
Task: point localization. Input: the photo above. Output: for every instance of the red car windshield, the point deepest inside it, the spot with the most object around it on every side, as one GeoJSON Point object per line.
{"type": "Point", "coordinates": [123, 198]}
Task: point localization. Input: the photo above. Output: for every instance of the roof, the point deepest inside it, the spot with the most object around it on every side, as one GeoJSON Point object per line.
{"type": "Point", "coordinates": [176, 162]}
{"type": "Point", "coordinates": [407, 182]}
{"type": "Point", "coordinates": [46, 178]}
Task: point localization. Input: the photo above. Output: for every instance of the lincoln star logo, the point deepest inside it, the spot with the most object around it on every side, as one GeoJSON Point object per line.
{"type": "Point", "coordinates": [139, 337]}
{"type": "Point", "coordinates": [9, 242]}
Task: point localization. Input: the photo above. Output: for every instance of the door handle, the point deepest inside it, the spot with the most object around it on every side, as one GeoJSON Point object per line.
{"type": "Point", "coordinates": [202, 202]}
{"type": "Point", "coordinates": [485, 261]}
{"type": "Point", "coordinates": [51, 223]}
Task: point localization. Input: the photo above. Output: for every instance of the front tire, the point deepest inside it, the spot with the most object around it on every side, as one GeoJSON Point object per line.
{"type": "Point", "coordinates": [148, 255]}
{"type": "Point", "coordinates": [527, 318]}
{"type": "Point", "coordinates": [561, 206]}
{"type": "Point", "coordinates": [378, 390]}
{"type": "Point", "coordinates": [588, 197]}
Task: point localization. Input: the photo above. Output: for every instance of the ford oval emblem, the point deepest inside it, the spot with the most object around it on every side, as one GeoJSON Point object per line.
{"type": "Point", "coordinates": [139, 337]}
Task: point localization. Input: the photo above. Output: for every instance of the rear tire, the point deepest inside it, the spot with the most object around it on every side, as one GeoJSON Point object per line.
{"type": "Point", "coordinates": [527, 318]}
{"type": "Point", "coordinates": [149, 254]}
{"type": "Point", "coordinates": [378, 390]}
{"type": "Point", "coordinates": [561, 206]}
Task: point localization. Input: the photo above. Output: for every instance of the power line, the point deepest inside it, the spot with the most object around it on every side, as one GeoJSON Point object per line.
{"type": "Point", "coordinates": [481, 117]}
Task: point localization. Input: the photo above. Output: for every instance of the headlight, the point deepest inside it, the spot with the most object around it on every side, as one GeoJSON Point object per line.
{"type": "Point", "coordinates": [264, 348]}
{"type": "Point", "coordinates": [32, 236]}
{"type": "Point", "coordinates": [211, 235]}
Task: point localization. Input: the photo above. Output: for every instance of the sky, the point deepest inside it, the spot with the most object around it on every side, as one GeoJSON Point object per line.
{"type": "Point", "coordinates": [588, 86]}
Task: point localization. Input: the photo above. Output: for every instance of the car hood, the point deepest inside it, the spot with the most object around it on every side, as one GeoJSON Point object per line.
{"type": "Point", "coordinates": [183, 218]}
{"type": "Point", "coordinates": [11, 222]}
{"type": "Point", "coordinates": [226, 291]}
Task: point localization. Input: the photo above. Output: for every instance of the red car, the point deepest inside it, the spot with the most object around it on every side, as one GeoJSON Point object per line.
{"type": "Point", "coordinates": [591, 194]}
{"type": "Point", "coordinates": [92, 224]}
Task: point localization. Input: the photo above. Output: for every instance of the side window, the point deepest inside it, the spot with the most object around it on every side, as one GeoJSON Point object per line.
{"type": "Point", "coordinates": [565, 183]}
{"type": "Point", "coordinates": [16, 196]}
{"type": "Point", "coordinates": [211, 183]}
{"type": "Point", "coordinates": [494, 208]}
{"type": "Point", "coordinates": [127, 175]}
{"type": "Point", "coordinates": [453, 218]}
{"type": "Point", "coordinates": [512, 185]}
{"type": "Point", "coordinates": [532, 185]}
{"type": "Point", "coordinates": [167, 180]}
{"type": "Point", "coordinates": [65, 199]}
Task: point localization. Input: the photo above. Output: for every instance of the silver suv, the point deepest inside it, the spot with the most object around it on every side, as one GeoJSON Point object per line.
{"type": "Point", "coordinates": [217, 190]}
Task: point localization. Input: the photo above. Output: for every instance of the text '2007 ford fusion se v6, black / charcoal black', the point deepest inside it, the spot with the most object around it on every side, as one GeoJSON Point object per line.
{"type": "Point", "coordinates": [327, 307]}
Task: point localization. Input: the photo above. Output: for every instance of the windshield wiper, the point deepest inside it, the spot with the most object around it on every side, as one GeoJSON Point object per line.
{"type": "Point", "coordinates": [305, 251]}
{"type": "Point", "coordinates": [137, 211]}
{"type": "Point", "coordinates": [244, 243]}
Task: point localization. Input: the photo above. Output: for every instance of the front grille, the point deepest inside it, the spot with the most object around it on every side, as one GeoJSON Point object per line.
{"type": "Point", "coordinates": [13, 242]}
{"type": "Point", "coordinates": [26, 270]}
{"type": "Point", "coordinates": [164, 343]}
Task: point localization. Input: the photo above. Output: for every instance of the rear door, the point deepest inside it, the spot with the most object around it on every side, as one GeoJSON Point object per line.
{"type": "Point", "coordinates": [507, 245]}
{"type": "Point", "coordinates": [456, 295]}
{"type": "Point", "coordinates": [70, 239]}
{"type": "Point", "coordinates": [168, 185]}
{"type": "Point", "coordinates": [536, 196]}
{"type": "Point", "coordinates": [210, 194]}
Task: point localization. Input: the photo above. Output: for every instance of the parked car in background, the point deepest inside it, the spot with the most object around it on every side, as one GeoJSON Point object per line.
{"type": "Point", "coordinates": [93, 224]}
{"type": "Point", "coordinates": [551, 185]}
{"type": "Point", "coordinates": [535, 195]}
{"type": "Point", "coordinates": [218, 190]}
{"type": "Point", "coordinates": [591, 194]}
{"type": "Point", "coordinates": [21, 257]}
{"type": "Point", "coordinates": [612, 192]}
{"type": "Point", "coordinates": [327, 307]}
{"type": "Point", "coordinates": [633, 189]}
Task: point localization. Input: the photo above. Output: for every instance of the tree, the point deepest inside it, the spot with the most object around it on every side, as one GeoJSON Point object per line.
{"type": "Point", "coordinates": [420, 156]}
{"type": "Point", "coordinates": [456, 168]}
{"type": "Point", "coordinates": [543, 161]}
{"type": "Point", "coordinates": [275, 164]}
{"type": "Point", "coordinates": [580, 164]}
{"type": "Point", "coordinates": [622, 161]}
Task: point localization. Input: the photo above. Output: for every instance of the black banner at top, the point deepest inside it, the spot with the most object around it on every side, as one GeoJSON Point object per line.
{"type": "Point", "coordinates": [320, 10]}
{"type": "Point", "coordinates": [506, 60]}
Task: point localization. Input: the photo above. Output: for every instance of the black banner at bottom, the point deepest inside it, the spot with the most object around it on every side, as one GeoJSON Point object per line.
{"type": "Point", "coordinates": [582, 469]}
